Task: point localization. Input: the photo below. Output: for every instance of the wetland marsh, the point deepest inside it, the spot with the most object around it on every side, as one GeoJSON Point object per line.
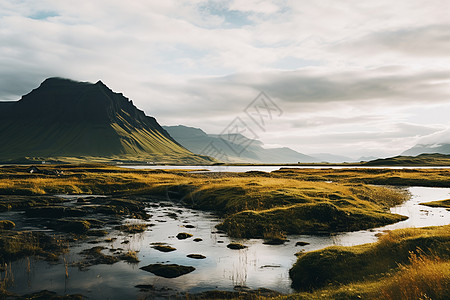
{"type": "Point", "coordinates": [137, 213]}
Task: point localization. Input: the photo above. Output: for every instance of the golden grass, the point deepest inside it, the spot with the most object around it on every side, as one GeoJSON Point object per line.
{"type": "Point", "coordinates": [424, 277]}
{"type": "Point", "coordinates": [404, 264]}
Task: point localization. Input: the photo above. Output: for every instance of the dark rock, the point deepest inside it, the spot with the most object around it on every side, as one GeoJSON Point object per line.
{"type": "Point", "coordinates": [168, 271]}
{"type": "Point", "coordinates": [196, 256]}
{"type": "Point", "coordinates": [301, 243]}
{"type": "Point", "coordinates": [164, 248]}
{"type": "Point", "coordinates": [236, 246]}
{"type": "Point", "coordinates": [183, 235]}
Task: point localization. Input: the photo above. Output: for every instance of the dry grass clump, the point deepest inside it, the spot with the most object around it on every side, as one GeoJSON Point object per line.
{"type": "Point", "coordinates": [423, 277]}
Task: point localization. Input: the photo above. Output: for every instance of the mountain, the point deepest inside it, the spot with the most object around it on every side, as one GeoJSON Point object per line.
{"type": "Point", "coordinates": [236, 149]}
{"type": "Point", "coordinates": [66, 120]}
{"type": "Point", "coordinates": [367, 158]}
{"type": "Point", "coordinates": [443, 148]}
{"type": "Point", "coordinates": [426, 159]}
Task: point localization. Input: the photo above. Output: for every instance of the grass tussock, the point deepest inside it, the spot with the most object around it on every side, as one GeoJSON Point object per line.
{"type": "Point", "coordinates": [424, 277]}
{"type": "Point", "coordinates": [130, 256]}
{"type": "Point", "coordinates": [398, 257]}
{"type": "Point", "coordinates": [133, 228]}
{"type": "Point", "coordinates": [19, 244]}
{"type": "Point", "coordinates": [441, 203]}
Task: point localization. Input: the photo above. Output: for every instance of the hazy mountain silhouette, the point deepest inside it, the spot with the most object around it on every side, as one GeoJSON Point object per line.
{"type": "Point", "coordinates": [237, 148]}
{"type": "Point", "coordinates": [443, 148]}
{"type": "Point", "coordinates": [64, 118]}
{"type": "Point", "coordinates": [426, 159]}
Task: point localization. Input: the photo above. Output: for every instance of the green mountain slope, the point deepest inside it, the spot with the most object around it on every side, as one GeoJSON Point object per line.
{"type": "Point", "coordinates": [67, 120]}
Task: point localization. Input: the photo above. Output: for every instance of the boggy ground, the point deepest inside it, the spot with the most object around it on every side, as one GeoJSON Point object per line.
{"type": "Point", "coordinates": [253, 204]}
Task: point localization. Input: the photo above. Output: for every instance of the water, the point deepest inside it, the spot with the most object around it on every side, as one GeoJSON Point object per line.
{"type": "Point", "coordinates": [261, 168]}
{"type": "Point", "coordinates": [258, 266]}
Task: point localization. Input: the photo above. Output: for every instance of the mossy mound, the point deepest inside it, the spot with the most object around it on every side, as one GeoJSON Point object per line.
{"type": "Point", "coordinates": [236, 246]}
{"type": "Point", "coordinates": [341, 265]}
{"type": "Point", "coordinates": [18, 244]}
{"type": "Point", "coordinates": [311, 218]}
{"type": "Point", "coordinates": [441, 203]}
{"type": "Point", "coordinates": [168, 271]}
{"type": "Point", "coordinates": [72, 225]}
{"type": "Point", "coordinates": [163, 247]}
{"type": "Point", "coordinates": [132, 228]}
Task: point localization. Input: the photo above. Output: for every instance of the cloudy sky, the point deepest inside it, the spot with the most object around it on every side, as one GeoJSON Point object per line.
{"type": "Point", "coordinates": [351, 77]}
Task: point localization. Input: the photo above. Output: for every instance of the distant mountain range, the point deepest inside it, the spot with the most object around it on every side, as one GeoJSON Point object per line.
{"type": "Point", "coordinates": [443, 148]}
{"type": "Point", "coordinates": [426, 159]}
{"type": "Point", "coordinates": [234, 149]}
{"type": "Point", "coordinates": [65, 120]}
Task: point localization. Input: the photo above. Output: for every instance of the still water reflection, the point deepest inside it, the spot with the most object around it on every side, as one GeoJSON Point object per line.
{"type": "Point", "coordinates": [258, 266]}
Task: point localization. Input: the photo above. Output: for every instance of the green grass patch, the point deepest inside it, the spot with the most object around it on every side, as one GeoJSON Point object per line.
{"type": "Point", "coordinates": [393, 253]}
{"type": "Point", "coordinates": [441, 203]}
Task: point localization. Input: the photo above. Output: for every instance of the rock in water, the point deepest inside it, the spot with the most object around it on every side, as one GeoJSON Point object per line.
{"type": "Point", "coordinates": [168, 271]}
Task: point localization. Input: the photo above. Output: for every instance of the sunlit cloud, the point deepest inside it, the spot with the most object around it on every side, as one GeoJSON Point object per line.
{"type": "Point", "coordinates": [348, 74]}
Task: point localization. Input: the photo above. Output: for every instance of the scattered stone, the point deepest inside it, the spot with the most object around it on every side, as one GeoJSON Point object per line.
{"type": "Point", "coordinates": [189, 226]}
{"type": "Point", "coordinates": [168, 271]}
{"type": "Point", "coordinates": [164, 248]}
{"type": "Point", "coordinates": [270, 266]}
{"type": "Point", "coordinates": [196, 256]}
{"type": "Point", "coordinates": [236, 246]}
{"type": "Point", "coordinates": [172, 215]}
{"type": "Point", "coordinates": [301, 244]}
{"type": "Point", "coordinates": [198, 240]}
{"type": "Point", "coordinates": [183, 235]}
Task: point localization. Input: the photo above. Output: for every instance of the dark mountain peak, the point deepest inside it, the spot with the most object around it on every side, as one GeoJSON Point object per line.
{"type": "Point", "coordinates": [63, 117]}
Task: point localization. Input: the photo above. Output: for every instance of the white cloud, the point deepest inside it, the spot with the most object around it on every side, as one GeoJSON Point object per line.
{"type": "Point", "coordinates": [346, 67]}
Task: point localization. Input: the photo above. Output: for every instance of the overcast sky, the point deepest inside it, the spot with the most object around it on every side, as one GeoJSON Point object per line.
{"type": "Point", "coordinates": [351, 77]}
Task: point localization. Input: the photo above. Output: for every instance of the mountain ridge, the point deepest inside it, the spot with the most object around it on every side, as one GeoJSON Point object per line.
{"type": "Point", "coordinates": [236, 149]}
